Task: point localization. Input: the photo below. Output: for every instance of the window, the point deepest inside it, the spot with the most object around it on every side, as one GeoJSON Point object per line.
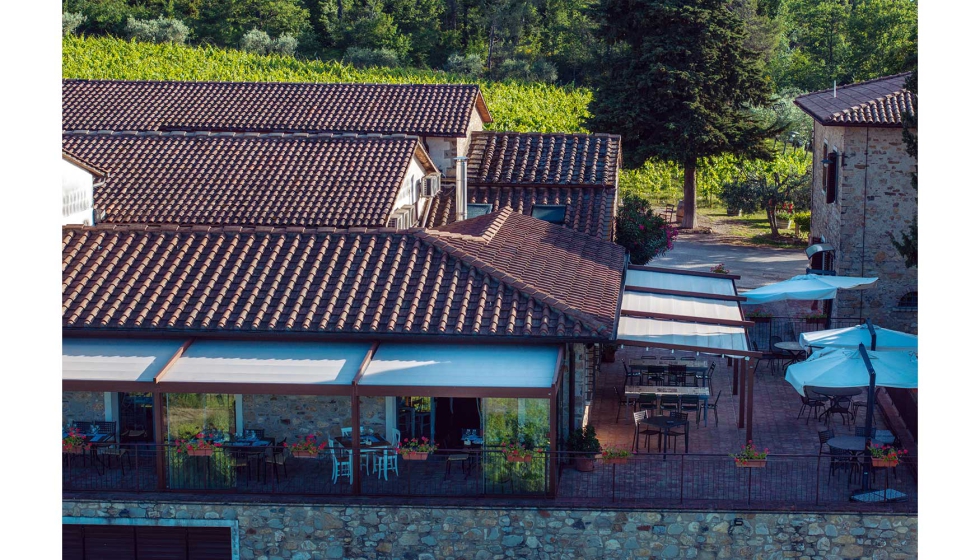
{"type": "Point", "coordinates": [474, 210]}
{"type": "Point", "coordinates": [823, 176]}
{"type": "Point", "coordinates": [831, 175]}
{"type": "Point", "coordinates": [909, 301]}
{"type": "Point", "coordinates": [553, 213]}
{"type": "Point", "coordinates": [191, 413]}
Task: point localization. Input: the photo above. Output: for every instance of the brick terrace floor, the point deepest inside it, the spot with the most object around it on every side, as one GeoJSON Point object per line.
{"type": "Point", "coordinates": [775, 423]}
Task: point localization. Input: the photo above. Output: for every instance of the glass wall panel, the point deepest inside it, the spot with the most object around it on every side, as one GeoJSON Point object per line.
{"type": "Point", "coordinates": [515, 420]}
{"type": "Point", "coordinates": [189, 414]}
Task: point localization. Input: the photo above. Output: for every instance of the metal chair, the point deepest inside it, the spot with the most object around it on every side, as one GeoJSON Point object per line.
{"type": "Point", "coordinates": [811, 402]}
{"type": "Point", "coordinates": [707, 375]}
{"type": "Point", "coordinates": [276, 461]}
{"type": "Point", "coordinates": [671, 402]}
{"type": "Point", "coordinates": [825, 436]}
{"type": "Point", "coordinates": [712, 406]}
{"type": "Point", "coordinates": [675, 431]}
{"type": "Point", "coordinates": [780, 356]}
{"type": "Point", "coordinates": [623, 400]}
{"type": "Point", "coordinates": [841, 459]}
{"type": "Point", "coordinates": [692, 403]}
{"type": "Point", "coordinates": [631, 375]}
{"type": "Point", "coordinates": [341, 467]}
{"type": "Point", "coordinates": [647, 402]}
{"type": "Point", "coordinates": [647, 431]}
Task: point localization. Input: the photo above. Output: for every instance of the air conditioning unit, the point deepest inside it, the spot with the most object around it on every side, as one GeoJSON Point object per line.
{"type": "Point", "coordinates": [431, 185]}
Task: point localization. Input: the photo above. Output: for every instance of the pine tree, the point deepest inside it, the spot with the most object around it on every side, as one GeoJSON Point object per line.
{"type": "Point", "coordinates": [676, 83]}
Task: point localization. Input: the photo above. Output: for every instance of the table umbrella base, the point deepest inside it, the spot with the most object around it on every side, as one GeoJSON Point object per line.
{"type": "Point", "coordinates": [878, 496]}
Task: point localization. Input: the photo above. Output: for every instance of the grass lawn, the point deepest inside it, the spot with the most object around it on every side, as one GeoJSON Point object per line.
{"type": "Point", "coordinates": [750, 229]}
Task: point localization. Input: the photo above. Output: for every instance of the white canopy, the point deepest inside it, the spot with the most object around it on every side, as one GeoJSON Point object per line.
{"type": "Point", "coordinates": [461, 365]}
{"type": "Point", "coordinates": [851, 337]}
{"type": "Point", "coordinates": [807, 287]}
{"type": "Point", "coordinates": [677, 333]}
{"type": "Point", "coordinates": [115, 359]}
{"type": "Point", "coordinates": [842, 367]}
{"type": "Point", "coordinates": [252, 362]}
{"type": "Point", "coordinates": [681, 305]}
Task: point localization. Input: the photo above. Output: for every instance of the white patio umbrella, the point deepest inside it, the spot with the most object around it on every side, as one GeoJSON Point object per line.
{"type": "Point", "coordinates": [844, 367]}
{"type": "Point", "coordinates": [808, 287]}
{"type": "Point", "coordinates": [851, 337]}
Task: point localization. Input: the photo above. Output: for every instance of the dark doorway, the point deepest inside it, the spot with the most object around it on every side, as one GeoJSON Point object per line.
{"type": "Point", "coordinates": [456, 415]}
{"type": "Point", "coordinates": [136, 417]}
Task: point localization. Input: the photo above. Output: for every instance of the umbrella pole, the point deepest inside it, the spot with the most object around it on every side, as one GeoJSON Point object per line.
{"type": "Point", "coordinates": [869, 418]}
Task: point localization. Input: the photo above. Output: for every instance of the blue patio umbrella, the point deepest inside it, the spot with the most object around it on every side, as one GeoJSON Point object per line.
{"type": "Point", "coordinates": [851, 337]}
{"type": "Point", "coordinates": [807, 287]}
{"type": "Point", "coordinates": [844, 367]}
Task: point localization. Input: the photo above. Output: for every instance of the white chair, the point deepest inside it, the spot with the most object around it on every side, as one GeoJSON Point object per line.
{"type": "Point", "coordinates": [386, 460]}
{"type": "Point", "coordinates": [346, 432]}
{"type": "Point", "coordinates": [340, 468]}
{"type": "Point", "coordinates": [395, 437]}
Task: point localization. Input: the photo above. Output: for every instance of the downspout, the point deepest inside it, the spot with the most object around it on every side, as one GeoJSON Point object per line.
{"type": "Point", "coordinates": [864, 230]}
{"type": "Point", "coordinates": [461, 195]}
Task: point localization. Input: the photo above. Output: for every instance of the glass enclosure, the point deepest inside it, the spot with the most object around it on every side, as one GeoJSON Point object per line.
{"type": "Point", "coordinates": [188, 414]}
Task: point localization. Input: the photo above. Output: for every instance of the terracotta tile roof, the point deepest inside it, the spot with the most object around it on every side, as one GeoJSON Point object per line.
{"type": "Point", "coordinates": [878, 102]}
{"type": "Point", "coordinates": [421, 109]}
{"type": "Point", "coordinates": [246, 179]}
{"type": "Point", "coordinates": [327, 281]}
{"type": "Point", "coordinates": [512, 158]}
{"type": "Point", "coordinates": [588, 210]}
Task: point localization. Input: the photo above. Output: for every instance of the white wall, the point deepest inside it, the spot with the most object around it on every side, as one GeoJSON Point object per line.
{"type": "Point", "coordinates": [76, 193]}
{"type": "Point", "coordinates": [442, 153]}
{"type": "Point", "coordinates": [409, 191]}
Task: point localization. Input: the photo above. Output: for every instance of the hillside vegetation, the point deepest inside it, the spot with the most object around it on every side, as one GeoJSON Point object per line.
{"type": "Point", "coordinates": [515, 106]}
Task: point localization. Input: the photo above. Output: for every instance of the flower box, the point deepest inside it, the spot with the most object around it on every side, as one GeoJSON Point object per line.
{"type": "Point", "coordinates": [73, 449]}
{"type": "Point", "coordinates": [883, 462]}
{"type": "Point", "coordinates": [751, 463]}
{"type": "Point", "coordinates": [733, 211]}
{"type": "Point", "coordinates": [518, 459]}
{"type": "Point", "coordinates": [414, 456]}
{"type": "Point", "coordinates": [301, 454]}
{"type": "Point", "coordinates": [200, 452]}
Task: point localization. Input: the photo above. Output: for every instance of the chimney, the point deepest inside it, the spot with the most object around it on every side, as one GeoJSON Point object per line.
{"type": "Point", "coordinates": [461, 195]}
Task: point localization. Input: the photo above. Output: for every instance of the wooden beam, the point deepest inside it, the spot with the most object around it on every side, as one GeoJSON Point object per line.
{"type": "Point", "coordinates": [365, 363]}
{"type": "Point", "coordinates": [686, 348]}
{"type": "Point", "coordinates": [173, 359]}
{"type": "Point", "coordinates": [735, 362]}
{"type": "Point", "coordinates": [686, 318]}
{"type": "Point", "coordinates": [355, 418]}
{"type": "Point", "coordinates": [750, 397]}
{"type": "Point", "coordinates": [684, 272]}
{"type": "Point", "coordinates": [162, 448]}
{"type": "Point", "coordinates": [253, 388]}
{"type": "Point", "coordinates": [557, 376]}
{"type": "Point", "coordinates": [682, 293]}
{"type": "Point", "coordinates": [454, 391]}
{"type": "Point", "coordinates": [741, 396]}
{"type": "Point", "coordinates": [105, 385]}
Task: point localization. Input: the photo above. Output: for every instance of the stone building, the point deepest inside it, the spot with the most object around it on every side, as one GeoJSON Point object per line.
{"type": "Point", "coordinates": [862, 195]}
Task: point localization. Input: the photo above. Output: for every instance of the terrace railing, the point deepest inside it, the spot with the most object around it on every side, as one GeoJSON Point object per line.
{"type": "Point", "coordinates": [789, 328]}
{"type": "Point", "coordinates": [670, 481]}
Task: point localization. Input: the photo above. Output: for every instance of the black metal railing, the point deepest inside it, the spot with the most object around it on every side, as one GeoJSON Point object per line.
{"type": "Point", "coordinates": [646, 480]}
{"type": "Point", "coordinates": [789, 328]}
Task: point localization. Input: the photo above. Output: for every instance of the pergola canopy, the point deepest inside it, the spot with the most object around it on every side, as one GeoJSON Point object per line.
{"type": "Point", "coordinates": [114, 362]}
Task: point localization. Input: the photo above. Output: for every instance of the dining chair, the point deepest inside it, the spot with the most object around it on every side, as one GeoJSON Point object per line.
{"type": "Point", "coordinates": [631, 374]}
{"type": "Point", "coordinates": [644, 430]}
{"type": "Point", "coordinates": [258, 433]}
{"type": "Point", "coordinates": [669, 402]}
{"type": "Point", "coordinates": [811, 402]}
{"type": "Point", "coordinates": [692, 403]}
{"type": "Point", "coordinates": [712, 406]}
{"type": "Point", "coordinates": [782, 357]}
{"type": "Point", "coordinates": [386, 460]}
{"type": "Point", "coordinates": [647, 402]}
{"type": "Point", "coordinates": [395, 437]}
{"type": "Point", "coordinates": [825, 436]}
{"type": "Point", "coordinates": [678, 430]}
{"type": "Point", "coordinates": [842, 460]}
{"type": "Point", "coordinates": [240, 460]}
{"type": "Point", "coordinates": [276, 461]}
{"type": "Point", "coordinates": [705, 377]}
{"type": "Point", "coordinates": [342, 466]}
{"type": "Point", "coordinates": [656, 374]}
{"type": "Point", "coordinates": [624, 400]}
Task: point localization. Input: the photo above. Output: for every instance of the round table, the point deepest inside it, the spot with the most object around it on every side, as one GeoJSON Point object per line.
{"type": "Point", "coordinates": [836, 396]}
{"type": "Point", "coordinates": [794, 348]}
{"type": "Point", "coordinates": [850, 443]}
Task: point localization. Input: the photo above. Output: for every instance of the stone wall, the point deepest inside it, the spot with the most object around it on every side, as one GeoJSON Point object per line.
{"type": "Point", "coordinates": [875, 199]}
{"type": "Point", "coordinates": [82, 405]}
{"type": "Point", "coordinates": [298, 532]}
{"type": "Point", "coordinates": [294, 416]}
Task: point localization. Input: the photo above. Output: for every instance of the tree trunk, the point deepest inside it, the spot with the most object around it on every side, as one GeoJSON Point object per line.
{"type": "Point", "coordinates": [690, 220]}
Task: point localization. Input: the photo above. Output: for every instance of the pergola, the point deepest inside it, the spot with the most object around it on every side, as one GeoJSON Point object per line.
{"type": "Point", "coordinates": [337, 368]}
{"type": "Point", "coordinates": [691, 311]}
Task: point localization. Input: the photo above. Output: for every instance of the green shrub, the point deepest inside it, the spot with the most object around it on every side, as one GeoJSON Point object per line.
{"type": "Point", "coordinates": [285, 45]}
{"type": "Point", "coordinates": [160, 30]}
{"type": "Point", "coordinates": [740, 195]}
{"type": "Point", "coordinates": [644, 234]}
{"type": "Point", "coordinates": [584, 440]}
{"type": "Point", "coordinates": [255, 41]}
{"type": "Point", "coordinates": [70, 22]}
{"type": "Point", "coordinates": [802, 219]}
{"type": "Point", "coordinates": [470, 65]}
{"type": "Point", "coordinates": [367, 58]}
{"type": "Point", "coordinates": [521, 69]}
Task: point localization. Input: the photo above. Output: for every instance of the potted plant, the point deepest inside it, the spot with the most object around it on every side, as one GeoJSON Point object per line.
{"type": "Point", "coordinates": [784, 214]}
{"type": "Point", "coordinates": [586, 443]}
{"type": "Point", "coordinates": [74, 443]}
{"type": "Point", "coordinates": [416, 449]}
{"type": "Point", "coordinates": [516, 452]}
{"type": "Point", "coordinates": [814, 317]}
{"type": "Point", "coordinates": [307, 448]}
{"type": "Point", "coordinates": [196, 446]}
{"type": "Point", "coordinates": [759, 316]}
{"type": "Point", "coordinates": [750, 457]}
{"type": "Point", "coordinates": [616, 456]}
{"type": "Point", "coordinates": [720, 269]}
{"type": "Point", "coordinates": [885, 455]}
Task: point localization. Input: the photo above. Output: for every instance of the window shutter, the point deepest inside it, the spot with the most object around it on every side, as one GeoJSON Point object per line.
{"type": "Point", "coordinates": [831, 172]}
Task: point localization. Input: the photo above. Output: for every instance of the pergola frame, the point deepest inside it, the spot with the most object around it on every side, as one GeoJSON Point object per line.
{"type": "Point", "coordinates": [742, 385]}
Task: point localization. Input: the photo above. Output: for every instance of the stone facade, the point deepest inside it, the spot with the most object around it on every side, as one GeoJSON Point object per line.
{"type": "Point", "coordinates": [82, 405]}
{"type": "Point", "coordinates": [875, 198]}
{"type": "Point", "coordinates": [295, 416]}
{"type": "Point", "coordinates": [309, 532]}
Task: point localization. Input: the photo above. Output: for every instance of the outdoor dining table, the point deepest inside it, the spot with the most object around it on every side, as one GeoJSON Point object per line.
{"type": "Point", "coordinates": [836, 396]}
{"type": "Point", "coordinates": [664, 423]}
{"type": "Point", "coordinates": [370, 443]}
{"type": "Point", "coordinates": [850, 443]}
{"type": "Point", "coordinates": [252, 448]}
{"type": "Point", "coordinates": [795, 349]}
{"type": "Point", "coordinates": [95, 440]}
{"type": "Point", "coordinates": [695, 366]}
{"type": "Point", "coordinates": [702, 393]}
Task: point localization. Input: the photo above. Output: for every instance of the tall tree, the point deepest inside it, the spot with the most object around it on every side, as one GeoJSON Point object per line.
{"type": "Point", "coordinates": [908, 245]}
{"type": "Point", "coordinates": [678, 83]}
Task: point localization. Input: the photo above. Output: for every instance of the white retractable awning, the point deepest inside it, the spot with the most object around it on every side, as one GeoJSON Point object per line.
{"type": "Point", "coordinates": [676, 333]}
{"type": "Point", "coordinates": [266, 367]}
{"type": "Point", "coordinates": [453, 369]}
{"type": "Point", "coordinates": [684, 310]}
{"type": "Point", "coordinates": [113, 361]}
